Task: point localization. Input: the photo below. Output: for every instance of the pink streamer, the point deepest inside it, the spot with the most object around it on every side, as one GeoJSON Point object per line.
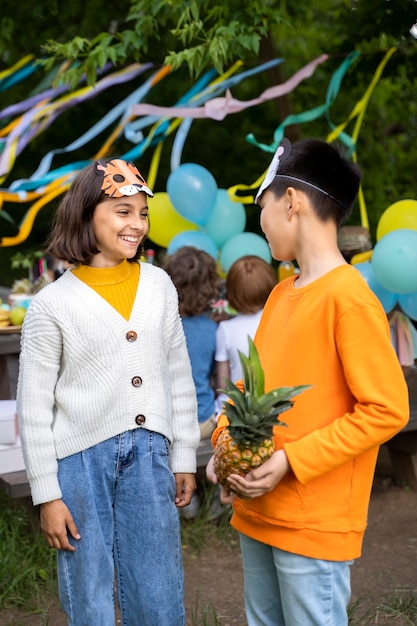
{"type": "Point", "coordinates": [219, 108]}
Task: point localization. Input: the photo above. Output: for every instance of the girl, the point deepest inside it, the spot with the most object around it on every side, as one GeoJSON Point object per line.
{"type": "Point", "coordinates": [194, 273]}
{"type": "Point", "coordinates": [107, 409]}
{"type": "Point", "coordinates": [249, 282]}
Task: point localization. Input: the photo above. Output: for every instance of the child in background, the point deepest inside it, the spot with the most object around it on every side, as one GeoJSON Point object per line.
{"type": "Point", "coordinates": [249, 282]}
{"type": "Point", "coordinates": [194, 273]}
{"type": "Point", "coordinates": [302, 514]}
{"type": "Point", "coordinates": [107, 409]}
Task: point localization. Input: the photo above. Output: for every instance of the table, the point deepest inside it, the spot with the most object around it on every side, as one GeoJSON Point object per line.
{"type": "Point", "coordinates": [9, 365]}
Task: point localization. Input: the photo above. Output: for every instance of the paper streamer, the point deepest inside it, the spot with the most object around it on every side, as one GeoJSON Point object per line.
{"type": "Point", "coordinates": [359, 113]}
{"type": "Point", "coordinates": [29, 118]}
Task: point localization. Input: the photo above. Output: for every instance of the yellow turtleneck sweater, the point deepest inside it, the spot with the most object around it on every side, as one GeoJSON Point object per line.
{"type": "Point", "coordinates": [117, 285]}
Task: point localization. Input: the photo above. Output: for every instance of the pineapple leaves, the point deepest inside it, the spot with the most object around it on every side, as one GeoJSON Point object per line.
{"type": "Point", "coordinates": [252, 409]}
{"type": "Point", "coordinates": [253, 373]}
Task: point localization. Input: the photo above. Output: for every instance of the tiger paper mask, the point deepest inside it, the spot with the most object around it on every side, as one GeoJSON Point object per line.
{"type": "Point", "coordinates": [121, 178]}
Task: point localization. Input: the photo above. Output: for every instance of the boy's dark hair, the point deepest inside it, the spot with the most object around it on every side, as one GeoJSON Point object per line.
{"type": "Point", "coordinates": [194, 274]}
{"type": "Point", "coordinates": [72, 237]}
{"type": "Point", "coordinates": [249, 282]}
{"type": "Point", "coordinates": [322, 172]}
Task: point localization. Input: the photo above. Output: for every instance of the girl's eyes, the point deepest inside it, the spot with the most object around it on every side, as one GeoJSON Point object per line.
{"type": "Point", "coordinates": [144, 214]}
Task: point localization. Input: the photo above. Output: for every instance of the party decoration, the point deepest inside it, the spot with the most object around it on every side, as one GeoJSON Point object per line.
{"type": "Point", "coordinates": [403, 338]}
{"type": "Point", "coordinates": [219, 108]}
{"type": "Point", "coordinates": [361, 257]}
{"type": "Point", "coordinates": [192, 190]}
{"type": "Point", "coordinates": [387, 298]}
{"type": "Point", "coordinates": [408, 303]}
{"type": "Point", "coordinates": [401, 214]}
{"type": "Point", "coordinates": [242, 245]}
{"type": "Point", "coordinates": [165, 222]}
{"type": "Point", "coordinates": [227, 219]}
{"type": "Point", "coordinates": [210, 98]}
{"type": "Point", "coordinates": [394, 261]}
{"type": "Point", "coordinates": [197, 239]}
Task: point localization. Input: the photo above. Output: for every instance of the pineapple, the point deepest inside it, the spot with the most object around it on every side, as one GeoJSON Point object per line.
{"type": "Point", "coordinates": [247, 441]}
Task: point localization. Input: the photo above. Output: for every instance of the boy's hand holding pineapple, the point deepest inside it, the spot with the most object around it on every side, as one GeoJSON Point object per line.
{"type": "Point", "coordinates": [247, 441]}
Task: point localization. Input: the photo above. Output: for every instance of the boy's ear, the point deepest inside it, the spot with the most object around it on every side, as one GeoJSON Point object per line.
{"type": "Point", "coordinates": [291, 199]}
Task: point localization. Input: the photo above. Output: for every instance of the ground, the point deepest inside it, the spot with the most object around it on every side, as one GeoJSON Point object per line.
{"type": "Point", "coordinates": [386, 572]}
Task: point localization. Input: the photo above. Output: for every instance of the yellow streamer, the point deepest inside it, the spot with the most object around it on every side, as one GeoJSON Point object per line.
{"type": "Point", "coordinates": [5, 73]}
{"type": "Point", "coordinates": [359, 112]}
{"type": "Point", "coordinates": [361, 257]}
{"type": "Point", "coordinates": [58, 187]}
{"type": "Point", "coordinates": [245, 199]}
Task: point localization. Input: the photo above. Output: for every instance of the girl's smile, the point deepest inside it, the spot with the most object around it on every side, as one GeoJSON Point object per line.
{"type": "Point", "coordinates": [120, 224]}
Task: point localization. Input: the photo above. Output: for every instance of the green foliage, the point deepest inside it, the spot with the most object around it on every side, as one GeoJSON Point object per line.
{"type": "Point", "coordinates": [399, 607]}
{"type": "Point", "coordinates": [200, 532]}
{"type": "Point", "coordinates": [196, 34]}
{"type": "Point", "coordinates": [27, 565]}
{"type": "Point", "coordinates": [204, 615]}
{"type": "Point", "coordinates": [204, 34]}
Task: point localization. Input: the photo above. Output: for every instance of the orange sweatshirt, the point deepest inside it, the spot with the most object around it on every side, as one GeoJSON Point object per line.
{"type": "Point", "coordinates": [332, 334]}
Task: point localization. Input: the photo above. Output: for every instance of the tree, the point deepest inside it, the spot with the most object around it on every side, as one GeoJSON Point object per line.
{"type": "Point", "coordinates": [199, 33]}
{"type": "Point", "coordinates": [194, 35]}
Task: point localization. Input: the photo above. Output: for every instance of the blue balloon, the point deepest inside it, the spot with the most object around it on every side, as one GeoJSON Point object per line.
{"type": "Point", "coordinates": [194, 238]}
{"type": "Point", "coordinates": [242, 245]}
{"type": "Point", "coordinates": [408, 303]}
{"type": "Point", "coordinates": [394, 261]}
{"type": "Point", "coordinates": [387, 298]}
{"type": "Point", "coordinates": [192, 190]}
{"type": "Point", "coordinates": [227, 219]}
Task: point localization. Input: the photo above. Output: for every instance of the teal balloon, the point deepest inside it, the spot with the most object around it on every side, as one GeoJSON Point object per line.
{"type": "Point", "coordinates": [408, 303]}
{"type": "Point", "coordinates": [387, 298]}
{"type": "Point", "coordinates": [194, 238]}
{"type": "Point", "coordinates": [394, 261]}
{"type": "Point", "coordinates": [192, 190]}
{"type": "Point", "coordinates": [242, 245]}
{"type": "Point", "coordinates": [227, 219]}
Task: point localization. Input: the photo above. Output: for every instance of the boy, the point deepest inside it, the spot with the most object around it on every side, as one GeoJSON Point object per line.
{"type": "Point", "coordinates": [302, 515]}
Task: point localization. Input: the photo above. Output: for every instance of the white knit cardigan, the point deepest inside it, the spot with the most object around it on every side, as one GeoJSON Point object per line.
{"type": "Point", "coordinates": [78, 375]}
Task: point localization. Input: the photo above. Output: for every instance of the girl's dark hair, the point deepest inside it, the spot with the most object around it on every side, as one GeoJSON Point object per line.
{"type": "Point", "coordinates": [324, 166]}
{"type": "Point", "coordinates": [72, 236]}
{"type": "Point", "coordinates": [249, 282]}
{"type": "Point", "coordinates": [194, 274]}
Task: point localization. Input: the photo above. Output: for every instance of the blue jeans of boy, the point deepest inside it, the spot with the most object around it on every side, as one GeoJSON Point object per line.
{"type": "Point", "coordinates": [284, 589]}
{"type": "Point", "coordinates": [121, 494]}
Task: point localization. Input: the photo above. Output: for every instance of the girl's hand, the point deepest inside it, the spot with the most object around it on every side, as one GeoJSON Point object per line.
{"type": "Point", "coordinates": [56, 522]}
{"type": "Point", "coordinates": [263, 479]}
{"type": "Point", "coordinates": [185, 487]}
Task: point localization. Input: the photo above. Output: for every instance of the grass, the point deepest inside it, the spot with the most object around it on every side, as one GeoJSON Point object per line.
{"type": "Point", "coordinates": [397, 609]}
{"type": "Point", "coordinates": [201, 531]}
{"type": "Point", "coordinates": [27, 565]}
{"type": "Point", "coordinates": [404, 608]}
{"type": "Point", "coordinates": [28, 569]}
{"type": "Point", "coordinates": [204, 616]}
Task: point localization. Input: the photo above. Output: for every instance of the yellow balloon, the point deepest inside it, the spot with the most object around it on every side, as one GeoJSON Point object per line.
{"type": "Point", "coordinates": [401, 214]}
{"type": "Point", "coordinates": [165, 222]}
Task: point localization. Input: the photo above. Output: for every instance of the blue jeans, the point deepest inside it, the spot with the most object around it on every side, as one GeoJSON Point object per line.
{"type": "Point", "coordinates": [121, 494]}
{"type": "Point", "coordinates": [284, 589]}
